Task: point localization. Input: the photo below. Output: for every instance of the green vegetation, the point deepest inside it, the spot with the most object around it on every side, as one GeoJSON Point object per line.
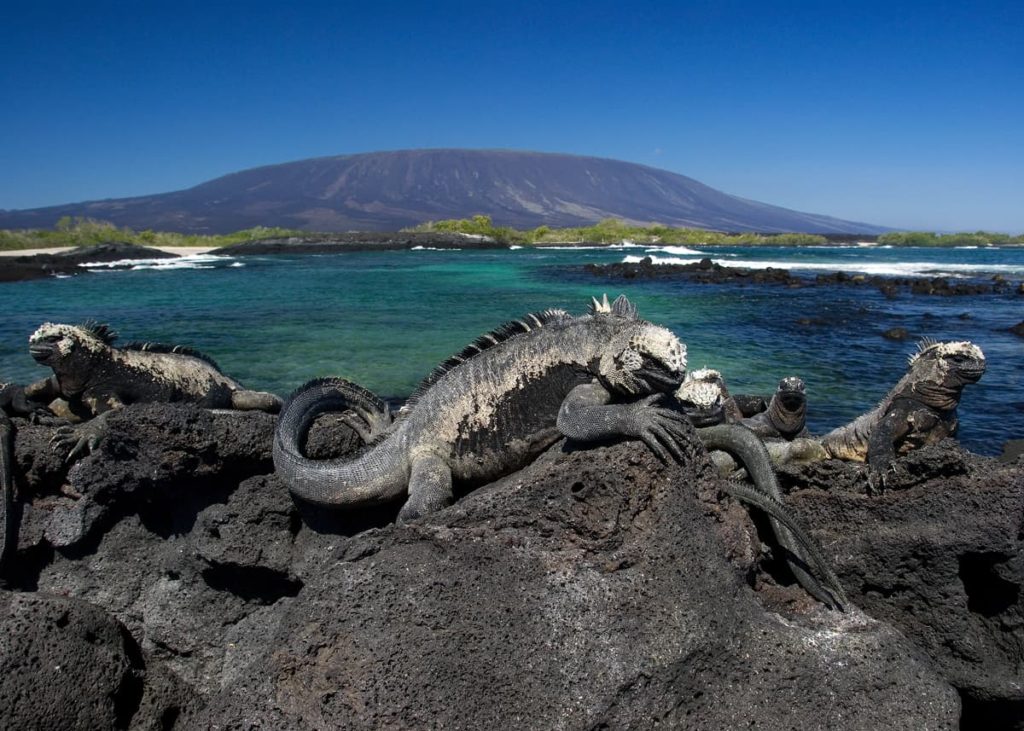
{"type": "Point", "coordinates": [922, 238]}
{"type": "Point", "coordinates": [88, 232]}
{"type": "Point", "coordinates": [613, 231]}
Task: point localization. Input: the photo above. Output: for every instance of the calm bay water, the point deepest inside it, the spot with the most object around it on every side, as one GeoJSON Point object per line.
{"type": "Point", "coordinates": [385, 319]}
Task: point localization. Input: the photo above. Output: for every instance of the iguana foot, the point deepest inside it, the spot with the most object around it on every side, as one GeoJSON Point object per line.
{"type": "Point", "coordinates": [79, 440]}
{"type": "Point", "coordinates": [366, 423]}
{"type": "Point", "coordinates": [661, 429]}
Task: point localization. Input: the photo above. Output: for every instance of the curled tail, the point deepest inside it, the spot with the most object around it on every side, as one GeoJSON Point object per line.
{"type": "Point", "coordinates": [375, 475]}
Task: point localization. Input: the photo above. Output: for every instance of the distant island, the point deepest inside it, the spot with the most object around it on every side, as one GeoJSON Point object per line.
{"type": "Point", "coordinates": [478, 230]}
{"type": "Point", "coordinates": [394, 190]}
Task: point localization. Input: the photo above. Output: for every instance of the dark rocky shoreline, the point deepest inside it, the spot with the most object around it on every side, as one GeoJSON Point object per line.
{"type": "Point", "coordinates": [706, 271]}
{"type": "Point", "coordinates": [67, 263]}
{"type": "Point", "coordinates": [169, 581]}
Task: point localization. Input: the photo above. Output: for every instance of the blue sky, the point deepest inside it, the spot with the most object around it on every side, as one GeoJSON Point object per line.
{"type": "Point", "coordinates": [907, 114]}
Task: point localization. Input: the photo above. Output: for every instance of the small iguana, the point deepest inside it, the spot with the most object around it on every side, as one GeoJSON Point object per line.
{"type": "Point", "coordinates": [94, 378]}
{"type": "Point", "coordinates": [919, 410]}
{"type": "Point", "coordinates": [706, 400]}
{"type": "Point", "coordinates": [786, 415]}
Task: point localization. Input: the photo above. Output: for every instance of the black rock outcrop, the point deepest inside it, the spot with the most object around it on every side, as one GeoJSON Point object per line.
{"type": "Point", "coordinates": [597, 588]}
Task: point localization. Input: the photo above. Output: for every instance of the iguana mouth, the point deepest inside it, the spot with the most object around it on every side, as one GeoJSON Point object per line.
{"type": "Point", "coordinates": [661, 380]}
{"type": "Point", "coordinates": [792, 401]}
{"type": "Point", "coordinates": [971, 374]}
{"type": "Point", "coordinates": [40, 353]}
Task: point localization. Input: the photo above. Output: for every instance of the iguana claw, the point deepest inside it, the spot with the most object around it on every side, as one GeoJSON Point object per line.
{"type": "Point", "coordinates": [79, 440]}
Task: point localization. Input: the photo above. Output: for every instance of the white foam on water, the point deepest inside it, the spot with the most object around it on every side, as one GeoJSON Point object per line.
{"type": "Point", "coordinates": [193, 261]}
{"type": "Point", "coordinates": [893, 269]}
{"type": "Point", "coordinates": [514, 247]}
{"type": "Point", "coordinates": [677, 250]}
{"type": "Point", "coordinates": [433, 248]}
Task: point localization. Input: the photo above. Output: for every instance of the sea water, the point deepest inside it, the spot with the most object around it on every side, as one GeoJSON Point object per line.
{"type": "Point", "coordinates": [385, 319]}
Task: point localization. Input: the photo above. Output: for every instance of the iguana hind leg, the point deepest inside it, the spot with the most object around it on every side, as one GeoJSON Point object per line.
{"type": "Point", "coordinates": [430, 488]}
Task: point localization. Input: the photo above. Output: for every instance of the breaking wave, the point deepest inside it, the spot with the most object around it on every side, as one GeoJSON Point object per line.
{"type": "Point", "coordinates": [890, 269]}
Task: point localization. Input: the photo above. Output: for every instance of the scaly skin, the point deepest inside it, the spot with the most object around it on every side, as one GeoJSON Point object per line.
{"type": "Point", "coordinates": [494, 408]}
{"type": "Point", "coordinates": [94, 378]}
{"type": "Point", "coordinates": [919, 410]}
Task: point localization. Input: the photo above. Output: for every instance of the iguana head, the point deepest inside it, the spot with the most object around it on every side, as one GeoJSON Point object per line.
{"type": "Point", "coordinates": [641, 358]}
{"type": "Point", "coordinates": [939, 371]}
{"type": "Point", "coordinates": [792, 393]}
{"type": "Point", "coordinates": [702, 397]}
{"type": "Point", "coordinates": [62, 346]}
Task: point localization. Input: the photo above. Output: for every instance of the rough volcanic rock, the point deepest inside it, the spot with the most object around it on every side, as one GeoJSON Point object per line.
{"type": "Point", "coordinates": [149, 449]}
{"type": "Point", "coordinates": [590, 590]}
{"type": "Point", "coordinates": [65, 664]}
{"type": "Point", "coordinates": [939, 555]}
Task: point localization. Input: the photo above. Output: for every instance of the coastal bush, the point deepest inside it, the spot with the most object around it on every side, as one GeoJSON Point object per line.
{"type": "Point", "coordinates": [81, 231]}
{"type": "Point", "coordinates": [923, 238]}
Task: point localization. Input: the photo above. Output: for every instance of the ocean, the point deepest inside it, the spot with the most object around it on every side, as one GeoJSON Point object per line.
{"type": "Point", "coordinates": [385, 319]}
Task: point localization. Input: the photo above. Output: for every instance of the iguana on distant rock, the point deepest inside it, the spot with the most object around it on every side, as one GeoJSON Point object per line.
{"type": "Point", "coordinates": [786, 415]}
{"type": "Point", "coordinates": [94, 378]}
{"type": "Point", "coordinates": [492, 408]}
{"type": "Point", "coordinates": [919, 410]}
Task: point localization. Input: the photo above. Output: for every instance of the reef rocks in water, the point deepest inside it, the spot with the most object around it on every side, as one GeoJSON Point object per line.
{"type": "Point", "coordinates": [595, 588]}
{"type": "Point", "coordinates": [706, 271]}
{"type": "Point", "coordinates": [67, 263]}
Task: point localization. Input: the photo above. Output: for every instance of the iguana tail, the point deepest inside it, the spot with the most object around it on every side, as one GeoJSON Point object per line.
{"type": "Point", "coordinates": [376, 475]}
{"type": "Point", "coordinates": [750, 450]}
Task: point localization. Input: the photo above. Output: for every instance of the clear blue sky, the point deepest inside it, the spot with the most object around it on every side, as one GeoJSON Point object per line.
{"type": "Point", "coordinates": [907, 114]}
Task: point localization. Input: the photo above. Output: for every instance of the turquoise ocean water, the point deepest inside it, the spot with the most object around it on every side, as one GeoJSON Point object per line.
{"type": "Point", "coordinates": [386, 319]}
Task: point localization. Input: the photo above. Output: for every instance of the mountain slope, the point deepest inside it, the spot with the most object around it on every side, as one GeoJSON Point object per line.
{"type": "Point", "coordinates": [388, 190]}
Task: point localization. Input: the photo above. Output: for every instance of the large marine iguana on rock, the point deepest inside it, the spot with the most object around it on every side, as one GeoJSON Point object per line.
{"type": "Point", "coordinates": [94, 378]}
{"type": "Point", "coordinates": [492, 408]}
{"type": "Point", "coordinates": [498, 404]}
{"type": "Point", "coordinates": [919, 410]}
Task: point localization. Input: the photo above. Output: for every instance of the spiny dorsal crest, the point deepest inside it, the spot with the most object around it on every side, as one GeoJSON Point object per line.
{"type": "Point", "coordinates": [941, 349]}
{"type": "Point", "coordinates": [509, 330]}
{"type": "Point", "coordinates": [101, 331]}
{"type": "Point", "coordinates": [621, 307]}
{"type": "Point", "coordinates": [173, 350]}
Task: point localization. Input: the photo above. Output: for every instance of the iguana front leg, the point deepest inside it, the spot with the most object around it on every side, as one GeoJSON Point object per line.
{"type": "Point", "coordinates": [882, 445]}
{"type": "Point", "coordinates": [85, 438]}
{"type": "Point", "coordinates": [430, 487]}
{"type": "Point", "coordinates": [587, 416]}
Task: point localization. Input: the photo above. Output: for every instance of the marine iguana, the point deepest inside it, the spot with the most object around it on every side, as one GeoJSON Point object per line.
{"type": "Point", "coordinates": [919, 410]}
{"type": "Point", "coordinates": [706, 400]}
{"type": "Point", "coordinates": [786, 415]}
{"type": "Point", "coordinates": [492, 408]}
{"type": "Point", "coordinates": [94, 377]}
{"type": "Point", "coordinates": [732, 444]}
